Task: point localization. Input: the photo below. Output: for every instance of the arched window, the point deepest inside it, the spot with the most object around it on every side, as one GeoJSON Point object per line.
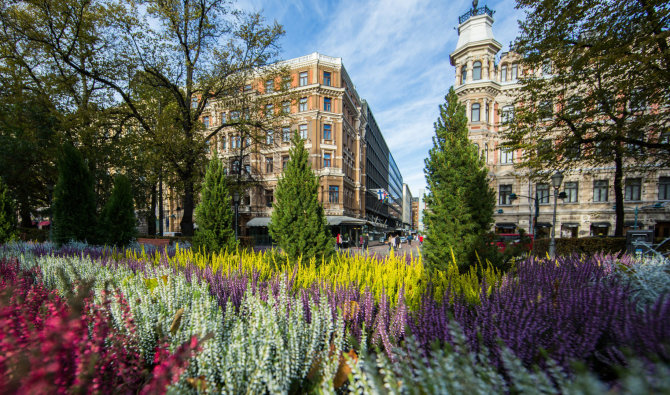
{"type": "Point", "coordinates": [477, 70]}
{"type": "Point", "coordinates": [474, 113]}
{"type": "Point", "coordinates": [464, 73]}
{"type": "Point", "coordinates": [486, 153]}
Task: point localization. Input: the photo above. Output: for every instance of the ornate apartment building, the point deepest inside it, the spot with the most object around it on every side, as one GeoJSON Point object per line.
{"type": "Point", "coordinates": [487, 83]}
{"type": "Point", "coordinates": [322, 105]}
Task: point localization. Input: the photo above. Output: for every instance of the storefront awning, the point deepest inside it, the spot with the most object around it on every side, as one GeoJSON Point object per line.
{"type": "Point", "coordinates": [506, 225]}
{"type": "Point", "coordinates": [543, 225]}
{"type": "Point", "coordinates": [600, 224]}
{"type": "Point", "coordinates": [570, 225]}
{"type": "Point", "coordinates": [258, 222]}
{"type": "Point", "coordinates": [344, 220]}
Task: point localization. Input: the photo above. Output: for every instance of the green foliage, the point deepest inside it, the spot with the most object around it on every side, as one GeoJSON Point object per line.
{"type": "Point", "coordinates": [581, 245]}
{"type": "Point", "coordinates": [298, 222]}
{"type": "Point", "coordinates": [460, 201]}
{"type": "Point", "coordinates": [7, 215]}
{"type": "Point", "coordinates": [214, 217]}
{"type": "Point", "coordinates": [117, 220]}
{"type": "Point", "coordinates": [74, 216]}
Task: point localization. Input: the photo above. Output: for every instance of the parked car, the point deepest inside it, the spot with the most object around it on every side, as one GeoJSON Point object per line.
{"type": "Point", "coordinates": [503, 240]}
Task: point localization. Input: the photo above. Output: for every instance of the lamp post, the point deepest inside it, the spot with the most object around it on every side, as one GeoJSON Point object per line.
{"type": "Point", "coordinates": [556, 181]}
{"type": "Point", "coordinates": [236, 202]}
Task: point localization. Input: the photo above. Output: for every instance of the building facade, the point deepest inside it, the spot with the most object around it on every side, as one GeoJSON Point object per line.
{"type": "Point", "coordinates": [487, 83]}
{"type": "Point", "coordinates": [323, 106]}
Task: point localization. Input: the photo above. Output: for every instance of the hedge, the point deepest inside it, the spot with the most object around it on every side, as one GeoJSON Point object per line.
{"type": "Point", "coordinates": [582, 245]}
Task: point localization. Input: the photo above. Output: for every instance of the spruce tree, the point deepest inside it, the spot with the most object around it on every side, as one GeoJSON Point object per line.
{"type": "Point", "coordinates": [117, 220]}
{"type": "Point", "coordinates": [74, 216]}
{"type": "Point", "coordinates": [298, 223]}
{"type": "Point", "coordinates": [7, 215]}
{"type": "Point", "coordinates": [460, 201]}
{"type": "Point", "coordinates": [213, 215]}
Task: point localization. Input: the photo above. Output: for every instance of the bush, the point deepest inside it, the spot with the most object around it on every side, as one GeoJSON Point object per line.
{"type": "Point", "coordinates": [117, 220]}
{"type": "Point", "coordinates": [33, 234]}
{"type": "Point", "coordinates": [7, 215]}
{"type": "Point", "coordinates": [582, 245]}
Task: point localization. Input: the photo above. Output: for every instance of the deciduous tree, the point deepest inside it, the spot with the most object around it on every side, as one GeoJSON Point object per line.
{"type": "Point", "coordinates": [596, 88]}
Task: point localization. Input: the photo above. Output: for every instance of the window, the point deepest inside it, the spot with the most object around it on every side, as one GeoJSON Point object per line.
{"type": "Point", "coordinates": [546, 110]}
{"type": "Point", "coordinates": [286, 135]}
{"type": "Point", "coordinates": [235, 142]}
{"type": "Point", "coordinates": [574, 152]}
{"type": "Point", "coordinates": [600, 190]}
{"type": "Point", "coordinates": [333, 194]}
{"type": "Point", "coordinates": [464, 74]}
{"type": "Point", "coordinates": [474, 112]}
{"type": "Point", "coordinates": [486, 113]}
{"type": "Point", "coordinates": [235, 168]}
{"type": "Point", "coordinates": [503, 73]}
{"type": "Point", "coordinates": [286, 82]}
{"type": "Point", "coordinates": [327, 132]}
{"type": "Point", "coordinates": [194, 102]}
{"type": "Point", "coordinates": [506, 155]}
{"type": "Point", "coordinates": [637, 100]}
{"type": "Point", "coordinates": [223, 143]}
{"type": "Point", "coordinates": [303, 131]}
{"type": "Point", "coordinates": [633, 189]}
{"type": "Point", "coordinates": [663, 188]}
{"type": "Point", "coordinates": [205, 120]}
{"type": "Point", "coordinates": [503, 195]}
{"type": "Point", "coordinates": [284, 162]}
{"type": "Point", "coordinates": [302, 78]}
{"type": "Point", "coordinates": [326, 160]}
{"type": "Point", "coordinates": [542, 191]}
{"type": "Point", "coordinates": [269, 86]}
{"type": "Point", "coordinates": [507, 114]}
{"type": "Point", "coordinates": [327, 103]}
{"type": "Point", "coordinates": [326, 78]}
{"type": "Point", "coordinates": [485, 154]}
{"type": "Point", "coordinates": [269, 197]}
{"type": "Point", "coordinates": [247, 169]}
{"type": "Point", "coordinates": [544, 147]}
{"type": "Point", "coordinates": [223, 118]}
{"type": "Point", "coordinates": [268, 164]}
{"type": "Point", "coordinates": [477, 70]}
{"type": "Point", "coordinates": [269, 110]}
{"type": "Point", "coordinates": [270, 137]}
{"type": "Point", "coordinates": [571, 191]}
{"type": "Point", "coordinates": [235, 115]}
{"type": "Point", "coordinates": [515, 69]}
{"type": "Point", "coordinates": [302, 106]}
{"type": "Point", "coordinates": [247, 88]}
{"type": "Point", "coordinates": [546, 68]}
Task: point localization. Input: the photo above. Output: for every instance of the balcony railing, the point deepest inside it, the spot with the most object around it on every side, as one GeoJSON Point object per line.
{"type": "Point", "coordinates": [475, 12]}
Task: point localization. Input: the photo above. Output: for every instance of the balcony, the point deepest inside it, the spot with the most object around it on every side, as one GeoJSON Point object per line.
{"type": "Point", "coordinates": [475, 12]}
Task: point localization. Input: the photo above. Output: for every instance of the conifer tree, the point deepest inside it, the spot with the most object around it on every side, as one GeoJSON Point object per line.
{"type": "Point", "coordinates": [460, 201]}
{"type": "Point", "coordinates": [74, 216]}
{"type": "Point", "coordinates": [213, 215]}
{"type": "Point", "coordinates": [7, 215]}
{"type": "Point", "coordinates": [298, 223]}
{"type": "Point", "coordinates": [117, 220]}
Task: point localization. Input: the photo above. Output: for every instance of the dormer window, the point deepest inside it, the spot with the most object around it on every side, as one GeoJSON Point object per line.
{"type": "Point", "coordinates": [464, 74]}
{"type": "Point", "coordinates": [477, 71]}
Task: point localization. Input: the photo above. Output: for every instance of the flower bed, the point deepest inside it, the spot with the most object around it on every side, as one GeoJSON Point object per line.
{"type": "Point", "coordinates": [268, 326]}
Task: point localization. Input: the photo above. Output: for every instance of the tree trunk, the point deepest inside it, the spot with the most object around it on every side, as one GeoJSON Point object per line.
{"type": "Point", "coordinates": [187, 219]}
{"type": "Point", "coordinates": [24, 212]}
{"type": "Point", "coordinates": [151, 215]}
{"type": "Point", "coordinates": [618, 193]}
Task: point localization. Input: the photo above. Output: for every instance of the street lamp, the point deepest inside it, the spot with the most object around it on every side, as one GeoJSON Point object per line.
{"type": "Point", "coordinates": [556, 181]}
{"type": "Point", "coordinates": [236, 201]}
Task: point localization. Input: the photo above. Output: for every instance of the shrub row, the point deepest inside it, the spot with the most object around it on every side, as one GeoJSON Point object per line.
{"type": "Point", "coordinates": [581, 245]}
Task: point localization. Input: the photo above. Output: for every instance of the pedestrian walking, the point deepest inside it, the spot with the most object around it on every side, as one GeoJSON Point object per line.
{"type": "Point", "coordinates": [365, 242]}
{"type": "Point", "coordinates": [339, 241]}
{"type": "Point", "coordinates": [360, 241]}
{"type": "Point", "coordinates": [391, 242]}
{"type": "Point", "coordinates": [420, 240]}
{"type": "Point", "coordinates": [397, 242]}
{"type": "Point", "coordinates": [409, 240]}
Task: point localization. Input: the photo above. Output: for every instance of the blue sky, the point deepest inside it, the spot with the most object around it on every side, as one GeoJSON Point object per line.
{"type": "Point", "coordinates": [396, 53]}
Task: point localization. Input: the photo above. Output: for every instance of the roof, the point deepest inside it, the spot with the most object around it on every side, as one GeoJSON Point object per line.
{"type": "Point", "coordinates": [258, 221]}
